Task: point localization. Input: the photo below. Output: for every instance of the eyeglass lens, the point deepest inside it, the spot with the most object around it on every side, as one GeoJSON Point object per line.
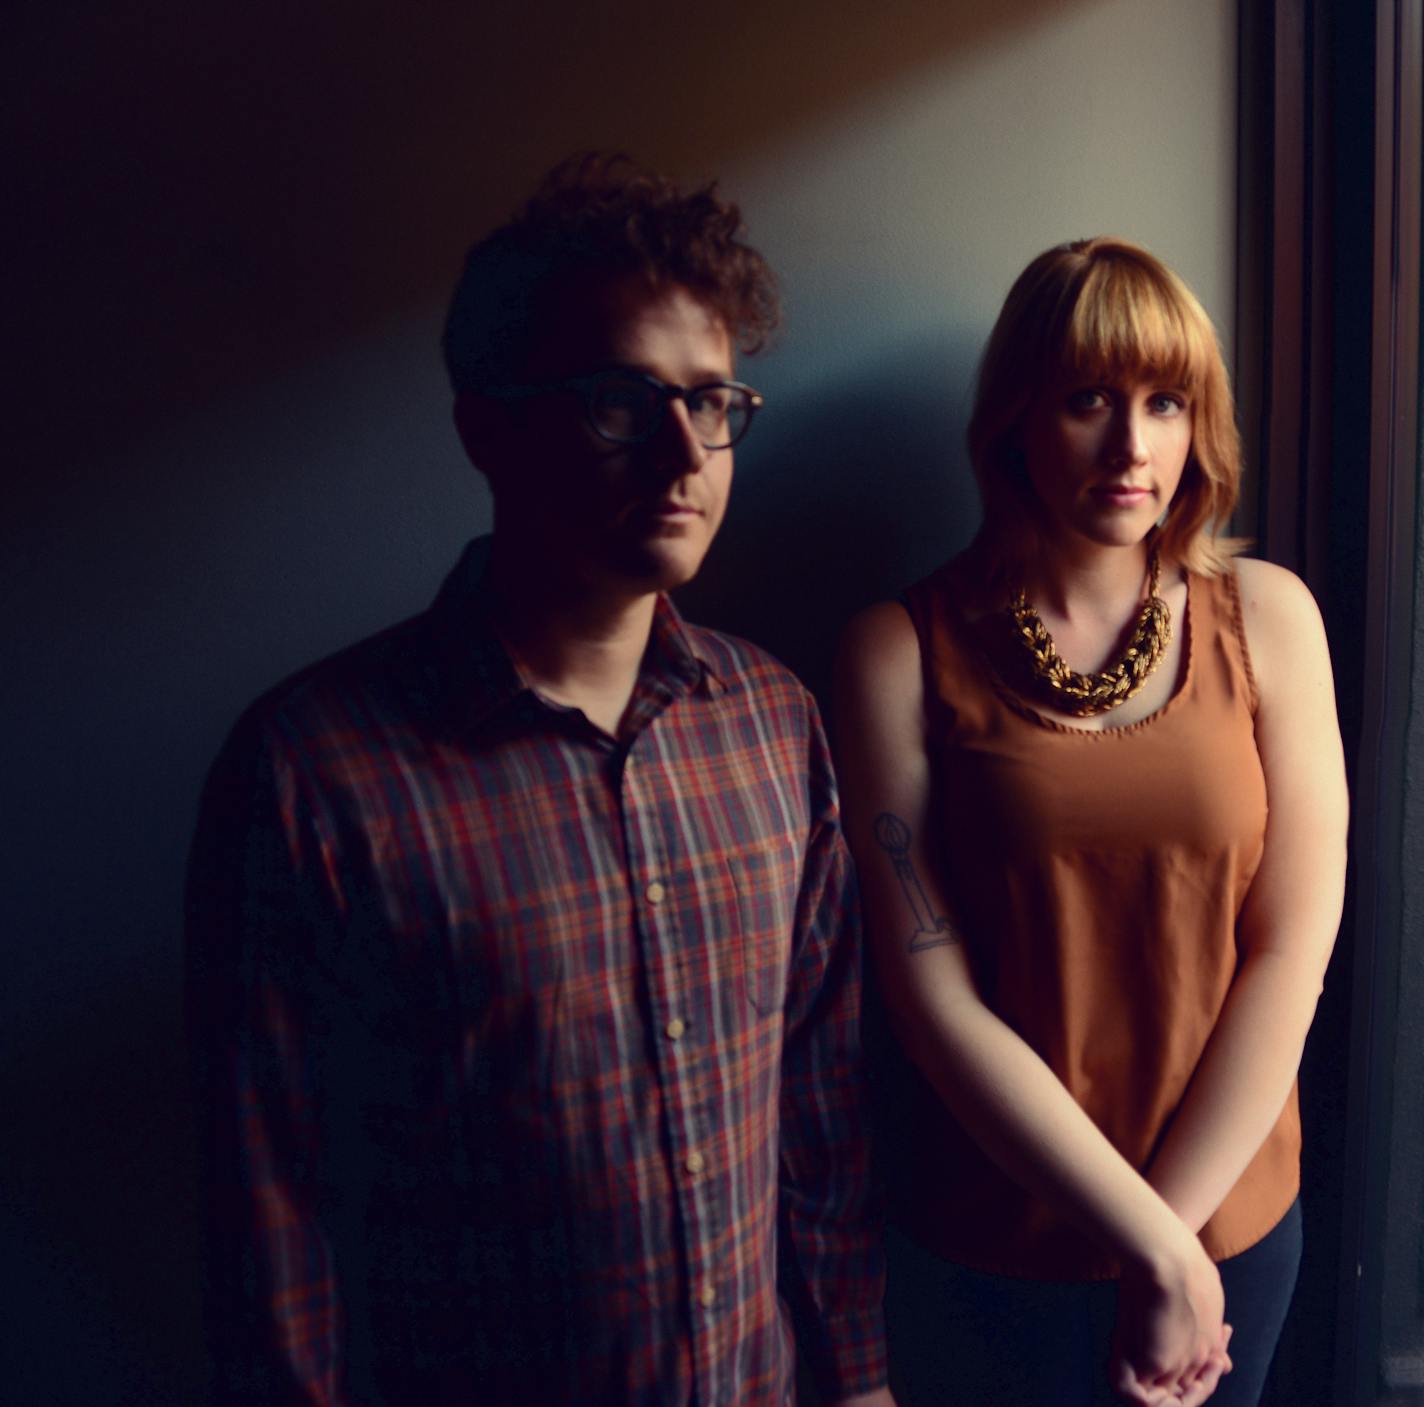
{"type": "Point", "coordinates": [629, 408]}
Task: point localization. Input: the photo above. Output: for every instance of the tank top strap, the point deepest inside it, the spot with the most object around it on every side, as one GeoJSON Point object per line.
{"type": "Point", "coordinates": [1219, 623]}
{"type": "Point", "coordinates": [957, 686]}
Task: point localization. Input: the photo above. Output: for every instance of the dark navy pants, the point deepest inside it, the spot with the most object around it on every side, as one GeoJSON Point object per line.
{"type": "Point", "coordinates": [960, 1337]}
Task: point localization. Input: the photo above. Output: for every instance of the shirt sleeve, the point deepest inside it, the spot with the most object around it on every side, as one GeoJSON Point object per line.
{"type": "Point", "coordinates": [253, 925]}
{"type": "Point", "coordinates": [832, 1262]}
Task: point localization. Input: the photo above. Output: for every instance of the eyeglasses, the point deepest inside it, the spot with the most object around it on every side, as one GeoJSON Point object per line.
{"type": "Point", "coordinates": [628, 407]}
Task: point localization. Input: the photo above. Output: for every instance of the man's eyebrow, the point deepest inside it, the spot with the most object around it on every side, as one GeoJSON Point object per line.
{"type": "Point", "coordinates": [701, 377]}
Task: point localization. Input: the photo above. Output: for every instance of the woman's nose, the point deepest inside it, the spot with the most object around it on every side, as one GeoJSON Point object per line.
{"type": "Point", "coordinates": [1129, 436]}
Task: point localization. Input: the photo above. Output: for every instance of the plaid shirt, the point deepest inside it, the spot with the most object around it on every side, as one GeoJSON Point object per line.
{"type": "Point", "coordinates": [529, 1058]}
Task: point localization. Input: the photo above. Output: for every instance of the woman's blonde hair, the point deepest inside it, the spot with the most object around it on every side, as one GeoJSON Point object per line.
{"type": "Point", "coordinates": [1103, 308]}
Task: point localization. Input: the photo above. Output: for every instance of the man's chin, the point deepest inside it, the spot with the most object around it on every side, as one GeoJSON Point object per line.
{"type": "Point", "coordinates": [657, 568]}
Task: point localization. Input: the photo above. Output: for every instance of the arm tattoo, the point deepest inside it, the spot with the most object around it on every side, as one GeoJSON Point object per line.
{"type": "Point", "coordinates": [892, 835]}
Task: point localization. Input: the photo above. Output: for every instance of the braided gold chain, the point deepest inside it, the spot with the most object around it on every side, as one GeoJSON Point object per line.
{"type": "Point", "coordinates": [1086, 694]}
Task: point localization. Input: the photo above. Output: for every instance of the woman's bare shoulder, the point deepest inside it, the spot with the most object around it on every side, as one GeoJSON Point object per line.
{"type": "Point", "coordinates": [1284, 630]}
{"type": "Point", "coordinates": [878, 664]}
{"type": "Point", "coordinates": [884, 629]}
{"type": "Point", "coordinates": [1273, 597]}
{"type": "Point", "coordinates": [885, 634]}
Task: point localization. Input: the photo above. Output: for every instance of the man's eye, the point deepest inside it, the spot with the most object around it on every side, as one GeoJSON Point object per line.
{"type": "Point", "coordinates": [624, 401]}
{"type": "Point", "coordinates": [622, 397]}
{"type": "Point", "coordinates": [710, 400]}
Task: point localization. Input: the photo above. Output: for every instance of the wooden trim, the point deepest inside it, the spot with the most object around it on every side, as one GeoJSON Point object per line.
{"type": "Point", "coordinates": [1327, 374]}
{"type": "Point", "coordinates": [1317, 409]}
{"type": "Point", "coordinates": [1389, 642]}
{"type": "Point", "coordinates": [1283, 292]}
{"type": "Point", "coordinates": [1281, 523]}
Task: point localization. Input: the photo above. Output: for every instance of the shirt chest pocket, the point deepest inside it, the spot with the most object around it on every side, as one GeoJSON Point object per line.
{"type": "Point", "coordinates": [764, 879]}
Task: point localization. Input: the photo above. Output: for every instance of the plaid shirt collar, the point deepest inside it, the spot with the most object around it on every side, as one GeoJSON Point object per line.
{"type": "Point", "coordinates": [483, 681]}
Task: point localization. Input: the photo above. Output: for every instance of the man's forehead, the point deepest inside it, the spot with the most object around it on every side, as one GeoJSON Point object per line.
{"type": "Point", "coordinates": [600, 318]}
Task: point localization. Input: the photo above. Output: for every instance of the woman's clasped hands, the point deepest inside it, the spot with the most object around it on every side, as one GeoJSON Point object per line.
{"type": "Point", "coordinates": [1170, 1342]}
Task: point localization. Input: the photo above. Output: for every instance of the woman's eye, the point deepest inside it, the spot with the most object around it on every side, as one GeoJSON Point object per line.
{"type": "Point", "coordinates": [1085, 400]}
{"type": "Point", "coordinates": [1167, 403]}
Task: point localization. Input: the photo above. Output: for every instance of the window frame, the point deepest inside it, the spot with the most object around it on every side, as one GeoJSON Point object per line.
{"type": "Point", "coordinates": [1329, 201]}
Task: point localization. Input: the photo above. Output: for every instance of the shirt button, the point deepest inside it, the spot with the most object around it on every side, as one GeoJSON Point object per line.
{"type": "Point", "coordinates": [655, 893]}
{"type": "Point", "coordinates": [707, 1296]}
{"type": "Point", "coordinates": [695, 1162]}
{"type": "Point", "coordinates": [675, 1028]}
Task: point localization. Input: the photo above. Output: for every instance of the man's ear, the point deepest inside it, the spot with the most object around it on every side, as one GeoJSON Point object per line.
{"type": "Point", "coordinates": [484, 426]}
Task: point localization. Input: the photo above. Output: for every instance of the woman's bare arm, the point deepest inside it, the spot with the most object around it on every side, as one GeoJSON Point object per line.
{"type": "Point", "coordinates": [1287, 929]}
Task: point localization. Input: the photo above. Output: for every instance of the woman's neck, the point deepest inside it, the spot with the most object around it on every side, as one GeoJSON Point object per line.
{"type": "Point", "coordinates": [1087, 581]}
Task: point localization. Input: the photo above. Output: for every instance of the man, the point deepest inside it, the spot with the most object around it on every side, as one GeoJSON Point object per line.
{"type": "Point", "coordinates": [524, 960]}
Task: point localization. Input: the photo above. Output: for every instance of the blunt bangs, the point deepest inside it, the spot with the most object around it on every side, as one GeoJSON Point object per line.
{"type": "Point", "coordinates": [1127, 320]}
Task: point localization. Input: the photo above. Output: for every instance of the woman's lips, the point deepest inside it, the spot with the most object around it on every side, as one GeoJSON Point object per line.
{"type": "Point", "coordinates": [1120, 496]}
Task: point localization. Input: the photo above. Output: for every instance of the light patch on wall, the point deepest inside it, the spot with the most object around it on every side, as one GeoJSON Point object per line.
{"type": "Point", "coordinates": [919, 208]}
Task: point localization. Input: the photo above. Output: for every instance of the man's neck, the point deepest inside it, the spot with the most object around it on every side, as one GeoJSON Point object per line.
{"type": "Point", "coordinates": [578, 646]}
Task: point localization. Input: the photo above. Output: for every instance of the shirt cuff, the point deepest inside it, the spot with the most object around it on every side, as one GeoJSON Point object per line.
{"type": "Point", "coordinates": [851, 1355]}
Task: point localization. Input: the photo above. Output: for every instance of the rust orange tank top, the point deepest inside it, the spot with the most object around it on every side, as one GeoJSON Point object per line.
{"type": "Point", "coordinates": [1097, 877]}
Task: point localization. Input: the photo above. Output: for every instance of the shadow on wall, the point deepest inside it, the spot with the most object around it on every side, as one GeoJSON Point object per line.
{"type": "Point", "coordinates": [98, 1230]}
{"type": "Point", "coordinates": [219, 193]}
{"type": "Point", "coordinates": [856, 489]}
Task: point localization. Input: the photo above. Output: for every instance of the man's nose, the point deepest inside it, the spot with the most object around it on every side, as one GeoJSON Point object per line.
{"type": "Point", "coordinates": [679, 446]}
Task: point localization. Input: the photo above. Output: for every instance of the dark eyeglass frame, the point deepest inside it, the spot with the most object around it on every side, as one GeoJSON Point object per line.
{"type": "Point", "coordinates": [588, 385]}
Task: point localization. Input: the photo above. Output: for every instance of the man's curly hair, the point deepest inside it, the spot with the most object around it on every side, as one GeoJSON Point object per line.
{"type": "Point", "coordinates": [602, 214]}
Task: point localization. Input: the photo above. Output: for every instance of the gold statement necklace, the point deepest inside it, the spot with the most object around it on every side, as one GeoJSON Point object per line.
{"type": "Point", "coordinates": [1086, 694]}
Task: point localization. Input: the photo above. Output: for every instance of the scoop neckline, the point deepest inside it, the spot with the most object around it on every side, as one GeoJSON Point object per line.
{"type": "Point", "coordinates": [1021, 706]}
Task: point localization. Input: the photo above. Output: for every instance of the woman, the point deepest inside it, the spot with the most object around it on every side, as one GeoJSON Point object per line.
{"type": "Point", "coordinates": [1094, 783]}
